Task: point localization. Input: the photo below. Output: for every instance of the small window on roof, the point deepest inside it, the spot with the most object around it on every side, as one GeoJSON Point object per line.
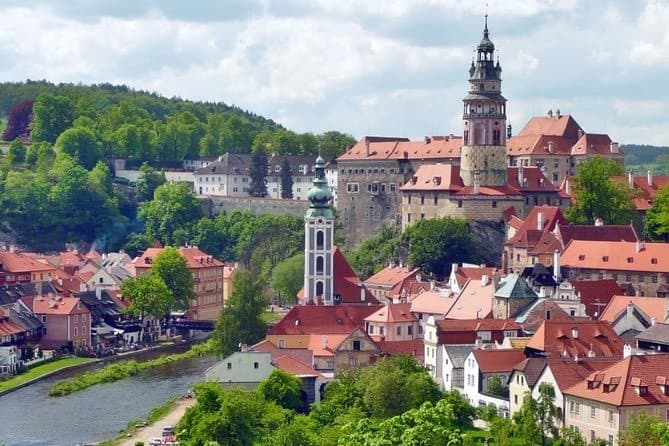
{"type": "Point", "coordinates": [581, 257]}
{"type": "Point", "coordinates": [605, 258]}
{"type": "Point", "coordinates": [630, 259]}
{"type": "Point", "coordinates": [653, 261]}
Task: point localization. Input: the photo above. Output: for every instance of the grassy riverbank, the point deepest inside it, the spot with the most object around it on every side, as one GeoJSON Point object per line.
{"type": "Point", "coordinates": [124, 369]}
{"type": "Point", "coordinates": [156, 414]}
{"type": "Point", "coordinates": [39, 371]}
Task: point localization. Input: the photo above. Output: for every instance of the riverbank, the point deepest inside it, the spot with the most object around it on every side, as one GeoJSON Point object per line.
{"type": "Point", "coordinates": [40, 372]}
{"type": "Point", "coordinates": [125, 369]}
{"type": "Point", "coordinates": [171, 417]}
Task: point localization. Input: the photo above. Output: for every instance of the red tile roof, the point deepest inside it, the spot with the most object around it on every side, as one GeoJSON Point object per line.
{"type": "Point", "coordinates": [595, 294]}
{"type": "Point", "coordinates": [473, 302]}
{"type": "Point", "coordinates": [620, 383]}
{"type": "Point", "coordinates": [568, 372]}
{"type": "Point", "coordinates": [408, 289]}
{"type": "Point", "coordinates": [435, 177]}
{"type": "Point", "coordinates": [539, 145]}
{"type": "Point", "coordinates": [391, 275]}
{"type": "Point", "coordinates": [605, 233]}
{"type": "Point", "coordinates": [18, 262]}
{"type": "Point", "coordinates": [389, 148]}
{"type": "Point", "coordinates": [653, 307]}
{"type": "Point", "coordinates": [563, 125]}
{"type": "Point", "coordinates": [194, 257]}
{"type": "Point", "coordinates": [548, 243]}
{"type": "Point", "coordinates": [467, 272]}
{"type": "Point", "coordinates": [294, 366]}
{"type": "Point", "coordinates": [556, 339]}
{"type": "Point", "coordinates": [412, 348]}
{"type": "Point", "coordinates": [303, 355]}
{"type": "Point", "coordinates": [499, 360]}
{"type": "Point", "coordinates": [646, 193]}
{"type": "Point", "coordinates": [529, 233]}
{"type": "Point", "coordinates": [7, 326]}
{"type": "Point", "coordinates": [451, 325]}
{"type": "Point", "coordinates": [392, 313]}
{"type": "Point", "coordinates": [621, 256]}
{"type": "Point", "coordinates": [323, 319]}
{"type": "Point", "coordinates": [593, 144]}
{"type": "Point", "coordinates": [57, 305]}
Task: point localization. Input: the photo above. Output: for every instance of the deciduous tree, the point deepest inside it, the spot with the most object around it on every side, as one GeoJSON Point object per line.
{"type": "Point", "coordinates": [595, 194]}
{"type": "Point", "coordinates": [149, 180]}
{"type": "Point", "coordinates": [81, 144]}
{"type": "Point", "coordinates": [173, 270]}
{"type": "Point", "coordinates": [657, 217]}
{"type": "Point", "coordinates": [283, 389]}
{"type": "Point", "coordinates": [148, 296]}
{"type": "Point", "coordinates": [51, 116]}
{"type": "Point", "coordinates": [19, 119]}
{"type": "Point", "coordinates": [288, 278]}
{"type": "Point", "coordinates": [16, 153]}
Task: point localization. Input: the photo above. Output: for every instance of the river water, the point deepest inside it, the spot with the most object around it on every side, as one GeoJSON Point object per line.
{"type": "Point", "coordinates": [29, 417]}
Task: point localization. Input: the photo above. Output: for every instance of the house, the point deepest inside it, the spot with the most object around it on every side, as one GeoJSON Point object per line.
{"type": "Point", "coordinates": [207, 276]}
{"type": "Point", "coordinates": [574, 339]}
{"type": "Point", "coordinates": [603, 404]}
{"type": "Point", "coordinates": [434, 303]}
{"type": "Point", "coordinates": [645, 188]}
{"type": "Point", "coordinates": [541, 310]}
{"type": "Point", "coordinates": [22, 329]}
{"type": "Point", "coordinates": [452, 376]}
{"type": "Point", "coordinates": [522, 380]}
{"type": "Point", "coordinates": [460, 274]}
{"type": "Point", "coordinates": [474, 301]}
{"type": "Point", "coordinates": [511, 297]}
{"type": "Point", "coordinates": [408, 289]}
{"type": "Point", "coordinates": [20, 267]}
{"type": "Point", "coordinates": [655, 337]}
{"type": "Point", "coordinates": [557, 144]}
{"type": "Point", "coordinates": [482, 368]}
{"type": "Point", "coordinates": [66, 319]}
{"type": "Point", "coordinates": [644, 266]}
{"type": "Point", "coordinates": [382, 283]}
{"type": "Point", "coordinates": [228, 273]}
{"type": "Point", "coordinates": [393, 322]}
{"type": "Point", "coordinates": [631, 315]}
{"type": "Point", "coordinates": [357, 349]}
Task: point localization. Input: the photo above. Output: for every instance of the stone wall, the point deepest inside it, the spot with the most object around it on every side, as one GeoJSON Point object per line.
{"type": "Point", "coordinates": [218, 205]}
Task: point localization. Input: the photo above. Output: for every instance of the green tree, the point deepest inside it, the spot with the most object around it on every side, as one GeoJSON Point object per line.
{"type": "Point", "coordinates": [526, 421]}
{"type": "Point", "coordinates": [81, 144]}
{"type": "Point", "coordinates": [300, 431]}
{"type": "Point", "coordinates": [171, 215]}
{"type": "Point", "coordinates": [502, 431]}
{"type": "Point", "coordinates": [149, 180]}
{"type": "Point", "coordinates": [173, 270]}
{"type": "Point", "coordinates": [308, 143]}
{"type": "Point", "coordinates": [241, 319]}
{"type": "Point", "coordinates": [51, 116]}
{"type": "Point", "coordinates": [16, 153]}
{"type": "Point", "coordinates": [285, 142]}
{"type": "Point", "coordinates": [286, 179]}
{"type": "Point", "coordinates": [596, 194]}
{"type": "Point", "coordinates": [148, 296]}
{"type": "Point", "coordinates": [642, 430]}
{"type": "Point", "coordinates": [40, 155]}
{"type": "Point", "coordinates": [546, 411]}
{"type": "Point", "coordinates": [258, 173]}
{"type": "Point", "coordinates": [464, 412]}
{"type": "Point", "coordinates": [283, 389]}
{"type": "Point", "coordinates": [288, 278]}
{"type": "Point", "coordinates": [334, 143]}
{"type": "Point", "coordinates": [375, 253]}
{"type": "Point", "coordinates": [494, 386]}
{"type": "Point", "coordinates": [657, 217]}
{"type": "Point", "coordinates": [569, 437]}
{"type": "Point", "coordinates": [435, 244]}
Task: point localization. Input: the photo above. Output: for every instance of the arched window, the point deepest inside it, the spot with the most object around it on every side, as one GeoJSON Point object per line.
{"type": "Point", "coordinates": [319, 265]}
{"type": "Point", "coordinates": [319, 288]}
{"type": "Point", "coordinates": [320, 240]}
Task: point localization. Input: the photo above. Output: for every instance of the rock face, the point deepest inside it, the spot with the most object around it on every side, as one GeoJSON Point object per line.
{"type": "Point", "coordinates": [489, 237]}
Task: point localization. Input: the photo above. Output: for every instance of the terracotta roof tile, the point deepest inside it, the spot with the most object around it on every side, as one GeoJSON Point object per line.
{"type": "Point", "coordinates": [606, 233]}
{"type": "Point", "coordinates": [556, 339]}
{"type": "Point", "coordinates": [303, 355]}
{"type": "Point", "coordinates": [451, 325]}
{"type": "Point", "coordinates": [435, 177]}
{"type": "Point", "coordinates": [622, 256]}
{"type": "Point", "coordinates": [563, 125]}
{"type": "Point", "coordinates": [391, 313]}
{"type": "Point", "coordinates": [433, 302]}
{"type": "Point", "coordinates": [473, 302]}
{"type": "Point", "coordinates": [323, 319]}
{"type": "Point", "coordinates": [412, 348]}
{"type": "Point", "coordinates": [499, 360]}
{"type": "Point", "coordinates": [195, 258]}
{"type": "Point", "coordinates": [18, 262]}
{"type": "Point", "coordinates": [619, 383]}
{"type": "Point", "coordinates": [294, 366]}
{"type": "Point", "coordinates": [568, 372]}
{"type": "Point", "coordinates": [391, 275]}
{"type": "Point", "coordinates": [540, 219]}
{"type": "Point", "coordinates": [57, 305]}
{"type": "Point", "coordinates": [596, 294]}
{"type": "Point", "coordinates": [408, 289]}
{"type": "Point", "coordinates": [385, 148]}
{"type": "Point", "coordinates": [646, 193]}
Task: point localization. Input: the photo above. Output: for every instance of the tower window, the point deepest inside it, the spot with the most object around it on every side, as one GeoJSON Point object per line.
{"type": "Point", "coordinates": [320, 240]}
{"type": "Point", "coordinates": [319, 265]}
{"type": "Point", "coordinates": [319, 288]}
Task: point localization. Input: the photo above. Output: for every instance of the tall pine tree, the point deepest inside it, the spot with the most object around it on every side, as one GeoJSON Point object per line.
{"type": "Point", "coordinates": [258, 173]}
{"type": "Point", "coordinates": [286, 179]}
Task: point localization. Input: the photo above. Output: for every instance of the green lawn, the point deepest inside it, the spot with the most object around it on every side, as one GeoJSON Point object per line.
{"type": "Point", "coordinates": [270, 317]}
{"type": "Point", "coordinates": [40, 370]}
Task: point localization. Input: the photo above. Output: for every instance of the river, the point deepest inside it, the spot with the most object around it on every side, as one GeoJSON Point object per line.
{"type": "Point", "coordinates": [29, 417]}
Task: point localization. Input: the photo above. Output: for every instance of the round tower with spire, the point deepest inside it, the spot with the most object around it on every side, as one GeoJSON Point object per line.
{"type": "Point", "coordinates": [483, 156]}
{"type": "Point", "coordinates": [319, 222]}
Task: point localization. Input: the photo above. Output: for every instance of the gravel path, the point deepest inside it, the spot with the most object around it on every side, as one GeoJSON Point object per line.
{"type": "Point", "coordinates": [145, 434]}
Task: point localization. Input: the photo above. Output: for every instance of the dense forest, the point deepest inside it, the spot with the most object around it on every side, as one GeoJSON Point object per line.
{"type": "Point", "coordinates": [643, 157]}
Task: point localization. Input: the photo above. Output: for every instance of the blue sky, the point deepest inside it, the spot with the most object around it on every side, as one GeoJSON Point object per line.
{"type": "Point", "coordinates": [366, 67]}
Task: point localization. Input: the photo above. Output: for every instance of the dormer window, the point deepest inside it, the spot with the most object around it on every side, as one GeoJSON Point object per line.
{"type": "Point", "coordinates": [605, 258]}
{"type": "Point", "coordinates": [630, 259]}
{"type": "Point", "coordinates": [581, 257]}
{"type": "Point", "coordinates": [653, 261]}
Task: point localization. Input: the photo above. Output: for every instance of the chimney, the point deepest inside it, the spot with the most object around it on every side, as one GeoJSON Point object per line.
{"type": "Point", "coordinates": [567, 189]}
{"type": "Point", "coordinates": [367, 146]}
{"type": "Point", "coordinates": [650, 178]}
{"type": "Point", "coordinates": [485, 280]}
{"type": "Point", "coordinates": [556, 264]}
{"type": "Point", "coordinates": [12, 247]}
{"type": "Point", "coordinates": [495, 279]}
{"type": "Point", "coordinates": [324, 342]}
{"type": "Point", "coordinates": [540, 220]}
{"type": "Point", "coordinates": [627, 351]}
{"type": "Point", "coordinates": [557, 113]}
{"type": "Point", "coordinates": [574, 332]}
{"type": "Point", "coordinates": [550, 113]}
{"type": "Point", "coordinates": [245, 348]}
{"type": "Point", "coordinates": [614, 147]}
{"type": "Point", "coordinates": [362, 293]}
{"type": "Point", "coordinates": [630, 179]}
{"type": "Point", "coordinates": [640, 246]}
{"type": "Point", "coordinates": [599, 221]}
{"type": "Point", "coordinates": [508, 131]}
{"type": "Point", "coordinates": [427, 140]}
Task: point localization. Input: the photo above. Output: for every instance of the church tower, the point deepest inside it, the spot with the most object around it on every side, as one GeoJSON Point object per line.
{"type": "Point", "coordinates": [319, 222]}
{"type": "Point", "coordinates": [483, 156]}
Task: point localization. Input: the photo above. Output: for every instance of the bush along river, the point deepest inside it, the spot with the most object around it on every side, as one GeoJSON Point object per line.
{"type": "Point", "coordinates": [29, 416]}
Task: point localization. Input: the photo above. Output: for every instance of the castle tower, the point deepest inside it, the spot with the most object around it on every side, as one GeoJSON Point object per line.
{"type": "Point", "coordinates": [319, 222]}
{"type": "Point", "coordinates": [483, 155]}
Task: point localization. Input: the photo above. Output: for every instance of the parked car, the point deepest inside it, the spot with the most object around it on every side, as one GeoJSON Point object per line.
{"type": "Point", "coordinates": [168, 431]}
{"type": "Point", "coordinates": [156, 441]}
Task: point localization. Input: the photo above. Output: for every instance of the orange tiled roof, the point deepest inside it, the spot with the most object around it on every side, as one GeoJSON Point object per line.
{"type": "Point", "coordinates": [646, 193]}
{"type": "Point", "coordinates": [632, 381]}
{"type": "Point", "coordinates": [391, 275]}
{"type": "Point", "coordinates": [408, 288]}
{"type": "Point", "coordinates": [653, 307]}
{"type": "Point", "coordinates": [556, 339]}
{"type": "Point", "coordinates": [548, 243]}
{"type": "Point", "coordinates": [391, 148]}
{"type": "Point", "coordinates": [57, 305]}
{"type": "Point", "coordinates": [450, 325]}
{"type": "Point", "coordinates": [433, 302]}
{"type": "Point", "coordinates": [325, 344]}
{"type": "Point", "coordinates": [529, 233]}
{"type": "Point", "coordinates": [539, 145]}
{"type": "Point", "coordinates": [194, 257]}
{"type": "Point", "coordinates": [435, 177]}
{"type": "Point", "coordinates": [323, 319]}
{"type": "Point", "coordinates": [621, 256]}
{"type": "Point", "coordinates": [7, 327]}
{"type": "Point", "coordinates": [499, 360]}
{"type": "Point", "coordinates": [568, 372]}
{"type": "Point", "coordinates": [18, 262]}
{"type": "Point", "coordinates": [563, 125]}
{"type": "Point", "coordinates": [596, 293]}
{"type": "Point", "coordinates": [412, 348]}
{"type": "Point", "coordinates": [473, 302]}
{"type": "Point", "coordinates": [294, 367]}
{"type": "Point", "coordinates": [593, 144]}
{"type": "Point", "coordinates": [391, 313]}
{"type": "Point", "coordinates": [467, 272]}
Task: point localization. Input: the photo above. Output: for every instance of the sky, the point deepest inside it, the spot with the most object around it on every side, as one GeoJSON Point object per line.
{"type": "Point", "coordinates": [364, 67]}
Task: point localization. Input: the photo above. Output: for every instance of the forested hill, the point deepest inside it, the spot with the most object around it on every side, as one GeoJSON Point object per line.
{"type": "Point", "coordinates": [643, 157]}
{"type": "Point", "coordinates": [110, 121]}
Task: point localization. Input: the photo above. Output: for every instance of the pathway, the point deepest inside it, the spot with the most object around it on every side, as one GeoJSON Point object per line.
{"type": "Point", "coordinates": [145, 434]}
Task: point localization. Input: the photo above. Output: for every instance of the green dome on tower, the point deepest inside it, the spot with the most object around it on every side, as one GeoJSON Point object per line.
{"type": "Point", "coordinates": [319, 195]}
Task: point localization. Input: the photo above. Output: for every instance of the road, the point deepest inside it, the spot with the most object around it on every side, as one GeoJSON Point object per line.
{"type": "Point", "coordinates": [145, 434]}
